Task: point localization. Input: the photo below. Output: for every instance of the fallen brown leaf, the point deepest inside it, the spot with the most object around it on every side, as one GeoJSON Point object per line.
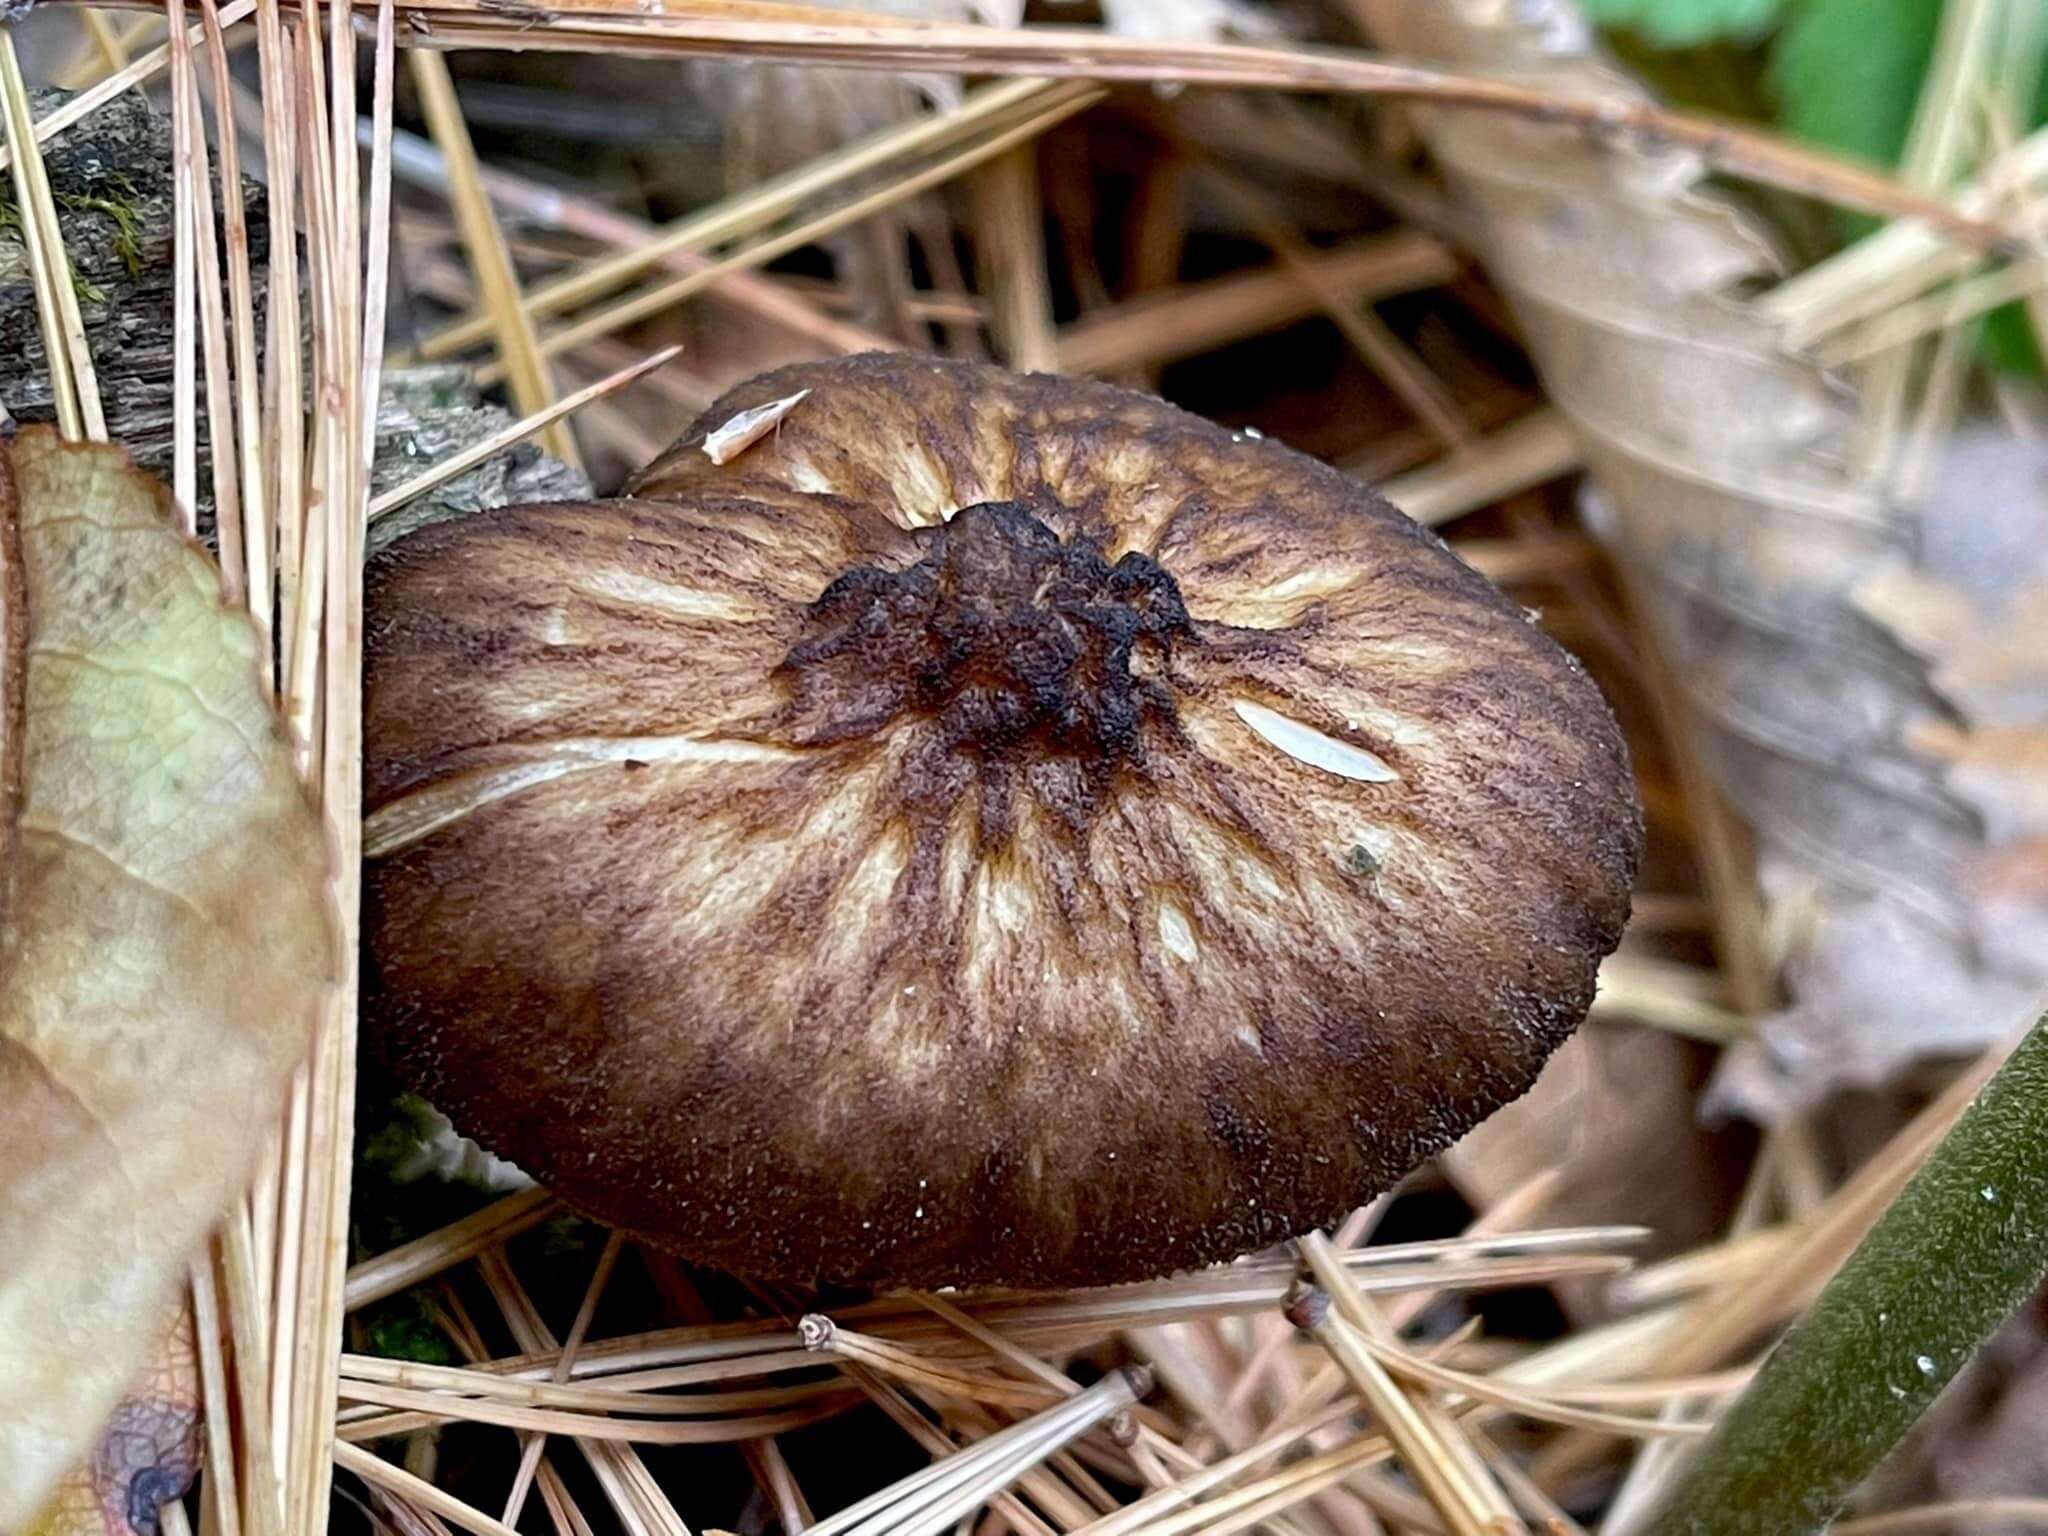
{"type": "Point", "coordinates": [165, 934]}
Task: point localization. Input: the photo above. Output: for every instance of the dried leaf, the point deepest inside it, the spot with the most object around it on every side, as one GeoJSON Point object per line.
{"type": "Point", "coordinates": [1724, 477]}
{"type": "Point", "coordinates": [1611, 1118]}
{"type": "Point", "coordinates": [165, 936]}
{"type": "Point", "coordinates": [724, 444]}
{"type": "Point", "coordinates": [148, 1452]}
{"type": "Point", "coordinates": [1875, 991]}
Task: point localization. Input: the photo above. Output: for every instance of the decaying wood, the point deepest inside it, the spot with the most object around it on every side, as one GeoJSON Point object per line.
{"type": "Point", "coordinates": [429, 414]}
{"type": "Point", "coordinates": [112, 180]}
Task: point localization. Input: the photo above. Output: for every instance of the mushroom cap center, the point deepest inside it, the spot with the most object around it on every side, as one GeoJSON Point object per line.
{"type": "Point", "coordinates": [1012, 643]}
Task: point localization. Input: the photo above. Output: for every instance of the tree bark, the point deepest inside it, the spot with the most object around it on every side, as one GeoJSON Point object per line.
{"type": "Point", "coordinates": [111, 177]}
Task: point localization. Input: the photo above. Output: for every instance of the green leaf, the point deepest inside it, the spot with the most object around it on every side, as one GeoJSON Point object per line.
{"type": "Point", "coordinates": [1848, 72]}
{"type": "Point", "coordinates": [1687, 23]}
{"type": "Point", "coordinates": [2008, 344]}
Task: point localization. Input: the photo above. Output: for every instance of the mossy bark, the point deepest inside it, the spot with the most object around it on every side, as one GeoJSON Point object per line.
{"type": "Point", "coordinates": [111, 178]}
{"type": "Point", "coordinates": [1959, 1250]}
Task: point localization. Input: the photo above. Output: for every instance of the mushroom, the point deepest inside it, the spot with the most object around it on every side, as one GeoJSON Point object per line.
{"type": "Point", "coordinates": [990, 828]}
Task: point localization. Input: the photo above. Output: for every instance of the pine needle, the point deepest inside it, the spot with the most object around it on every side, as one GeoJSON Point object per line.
{"type": "Point", "coordinates": [519, 356]}
{"type": "Point", "coordinates": [73, 384]}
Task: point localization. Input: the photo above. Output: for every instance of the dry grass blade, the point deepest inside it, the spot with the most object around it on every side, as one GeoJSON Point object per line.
{"type": "Point", "coordinates": [1174, 322]}
{"type": "Point", "coordinates": [1729, 1317]}
{"type": "Point", "coordinates": [1538, 448]}
{"type": "Point", "coordinates": [1721, 1320]}
{"type": "Point", "coordinates": [277, 510]}
{"type": "Point", "coordinates": [1010, 237]}
{"type": "Point", "coordinates": [1382, 351]}
{"type": "Point", "coordinates": [322, 694]}
{"type": "Point", "coordinates": [1722, 1263]}
{"type": "Point", "coordinates": [628, 1486]}
{"type": "Point", "coordinates": [262, 1489]}
{"type": "Point", "coordinates": [1665, 995]}
{"type": "Point", "coordinates": [224, 1514]}
{"type": "Point", "coordinates": [189, 175]}
{"type": "Point", "coordinates": [377, 259]}
{"type": "Point", "coordinates": [1261, 1499]}
{"type": "Point", "coordinates": [1001, 1347]}
{"type": "Point", "coordinates": [626, 1394]}
{"type": "Point", "coordinates": [893, 1402]}
{"type": "Point", "coordinates": [1535, 1503]}
{"type": "Point", "coordinates": [885, 1359]}
{"type": "Point", "coordinates": [530, 1452]}
{"type": "Point", "coordinates": [538, 207]}
{"type": "Point", "coordinates": [434, 1407]}
{"type": "Point", "coordinates": [238, 491]}
{"type": "Point", "coordinates": [1908, 323]}
{"type": "Point", "coordinates": [725, 1351]}
{"type": "Point", "coordinates": [1904, 259]}
{"type": "Point", "coordinates": [1175, 1495]}
{"type": "Point", "coordinates": [1556, 1407]}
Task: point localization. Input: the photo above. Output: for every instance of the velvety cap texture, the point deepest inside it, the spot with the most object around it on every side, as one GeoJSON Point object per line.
{"type": "Point", "coordinates": [992, 828]}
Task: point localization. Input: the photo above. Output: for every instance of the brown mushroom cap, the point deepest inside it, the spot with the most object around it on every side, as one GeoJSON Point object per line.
{"type": "Point", "coordinates": [994, 828]}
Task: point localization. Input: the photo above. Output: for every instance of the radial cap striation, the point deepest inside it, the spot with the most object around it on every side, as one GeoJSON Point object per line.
{"type": "Point", "coordinates": [992, 829]}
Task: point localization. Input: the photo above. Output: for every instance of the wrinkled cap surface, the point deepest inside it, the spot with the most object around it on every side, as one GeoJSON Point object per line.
{"type": "Point", "coordinates": [992, 829]}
